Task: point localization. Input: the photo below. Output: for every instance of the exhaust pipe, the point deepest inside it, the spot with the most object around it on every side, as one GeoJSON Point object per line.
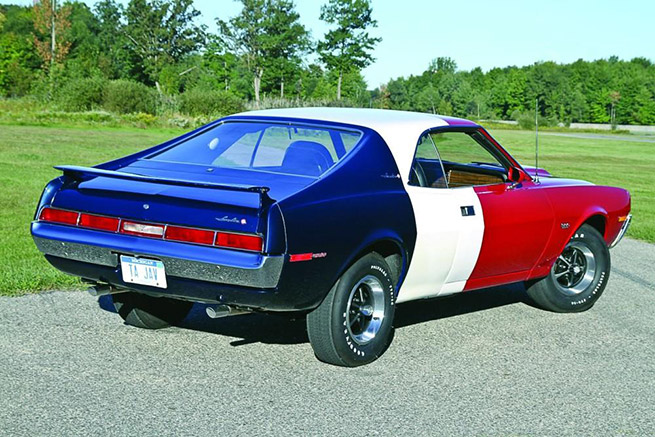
{"type": "Point", "coordinates": [98, 290]}
{"type": "Point", "coordinates": [218, 311]}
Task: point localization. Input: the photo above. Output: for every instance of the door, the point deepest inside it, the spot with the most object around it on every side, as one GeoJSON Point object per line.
{"type": "Point", "coordinates": [474, 228]}
{"type": "Point", "coordinates": [448, 241]}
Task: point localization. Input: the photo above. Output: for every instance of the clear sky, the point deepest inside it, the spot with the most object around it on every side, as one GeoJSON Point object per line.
{"type": "Point", "coordinates": [483, 33]}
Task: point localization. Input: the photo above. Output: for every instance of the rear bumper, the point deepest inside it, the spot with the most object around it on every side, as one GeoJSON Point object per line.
{"type": "Point", "coordinates": [190, 269]}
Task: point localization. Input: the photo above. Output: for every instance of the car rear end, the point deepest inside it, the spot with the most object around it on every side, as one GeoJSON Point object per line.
{"type": "Point", "coordinates": [185, 221]}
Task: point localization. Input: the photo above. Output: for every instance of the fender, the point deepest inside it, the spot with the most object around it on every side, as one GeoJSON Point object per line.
{"type": "Point", "coordinates": [368, 245]}
{"type": "Point", "coordinates": [559, 240]}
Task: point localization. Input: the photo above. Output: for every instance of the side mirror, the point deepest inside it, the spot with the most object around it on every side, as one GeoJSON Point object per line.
{"type": "Point", "coordinates": [514, 175]}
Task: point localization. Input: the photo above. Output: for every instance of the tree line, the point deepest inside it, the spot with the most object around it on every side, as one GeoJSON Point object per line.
{"type": "Point", "coordinates": [153, 56]}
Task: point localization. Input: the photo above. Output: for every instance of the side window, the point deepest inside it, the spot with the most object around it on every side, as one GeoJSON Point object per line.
{"type": "Point", "coordinates": [463, 148]}
{"type": "Point", "coordinates": [427, 169]}
{"type": "Point", "coordinates": [466, 160]}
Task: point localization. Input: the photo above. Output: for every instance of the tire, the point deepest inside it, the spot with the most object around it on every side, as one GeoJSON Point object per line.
{"type": "Point", "coordinates": [354, 323]}
{"type": "Point", "coordinates": [150, 312]}
{"type": "Point", "coordinates": [578, 277]}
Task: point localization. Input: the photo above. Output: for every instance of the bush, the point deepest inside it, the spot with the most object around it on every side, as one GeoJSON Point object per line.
{"type": "Point", "coordinates": [526, 120]}
{"type": "Point", "coordinates": [216, 103]}
{"type": "Point", "coordinates": [82, 94]}
{"type": "Point", "coordinates": [129, 97]}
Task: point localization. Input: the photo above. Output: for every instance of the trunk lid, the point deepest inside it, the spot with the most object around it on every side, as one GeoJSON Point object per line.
{"type": "Point", "coordinates": [176, 194]}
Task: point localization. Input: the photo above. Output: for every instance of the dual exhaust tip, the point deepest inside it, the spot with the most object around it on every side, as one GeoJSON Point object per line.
{"type": "Point", "coordinates": [214, 311]}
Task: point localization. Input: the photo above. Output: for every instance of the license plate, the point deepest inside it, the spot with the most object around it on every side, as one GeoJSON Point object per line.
{"type": "Point", "coordinates": [143, 271]}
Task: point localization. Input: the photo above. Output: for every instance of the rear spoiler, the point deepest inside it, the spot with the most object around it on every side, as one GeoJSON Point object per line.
{"type": "Point", "coordinates": [83, 173]}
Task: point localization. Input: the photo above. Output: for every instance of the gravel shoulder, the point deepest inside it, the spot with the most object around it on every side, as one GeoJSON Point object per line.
{"type": "Point", "coordinates": [481, 363]}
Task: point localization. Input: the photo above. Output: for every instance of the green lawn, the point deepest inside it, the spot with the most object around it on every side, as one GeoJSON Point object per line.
{"type": "Point", "coordinates": [617, 162]}
{"type": "Point", "coordinates": [27, 154]}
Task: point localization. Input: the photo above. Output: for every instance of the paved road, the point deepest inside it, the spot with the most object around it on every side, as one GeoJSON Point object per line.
{"type": "Point", "coordinates": [634, 138]}
{"type": "Point", "coordinates": [483, 363]}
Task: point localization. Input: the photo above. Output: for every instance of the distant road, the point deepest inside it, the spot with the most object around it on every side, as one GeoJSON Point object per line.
{"type": "Point", "coordinates": [616, 137]}
{"type": "Point", "coordinates": [482, 363]}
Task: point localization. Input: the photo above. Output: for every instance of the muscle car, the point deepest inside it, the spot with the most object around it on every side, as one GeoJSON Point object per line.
{"type": "Point", "coordinates": [337, 214]}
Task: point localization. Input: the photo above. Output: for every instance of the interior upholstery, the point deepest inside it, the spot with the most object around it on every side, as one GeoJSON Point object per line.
{"type": "Point", "coordinates": [458, 178]}
{"type": "Point", "coordinates": [307, 158]}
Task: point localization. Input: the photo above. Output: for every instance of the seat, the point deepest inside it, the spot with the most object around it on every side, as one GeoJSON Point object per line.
{"type": "Point", "coordinates": [307, 158]}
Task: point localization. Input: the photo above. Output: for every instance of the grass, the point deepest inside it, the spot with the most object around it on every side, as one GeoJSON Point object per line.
{"type": "Point", "coordinates": [621, 161]}
{"type": "Point", "coordinates": [27, 154]}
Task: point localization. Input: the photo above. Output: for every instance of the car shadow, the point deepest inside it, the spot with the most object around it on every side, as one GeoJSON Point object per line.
{"type": "Point", "coordinates": [278, 329]}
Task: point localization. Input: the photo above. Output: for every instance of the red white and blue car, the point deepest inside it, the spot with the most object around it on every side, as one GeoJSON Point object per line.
{"type": "Point", "coordinates": [336, 213]}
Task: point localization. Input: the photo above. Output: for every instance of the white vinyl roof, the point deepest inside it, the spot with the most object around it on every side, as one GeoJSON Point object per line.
{"type": "Point", "coordinates": [399, 129]}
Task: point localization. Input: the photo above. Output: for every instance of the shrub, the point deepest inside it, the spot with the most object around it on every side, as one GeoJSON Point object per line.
{"type": "Point", "coordinates": [216, 103]}
{"type": "Point", "coordinates": [82, 94]}
{"type": "Point", "coordinates": [526, 120]}
{"type": "Point", "coordinates": [128, 97]}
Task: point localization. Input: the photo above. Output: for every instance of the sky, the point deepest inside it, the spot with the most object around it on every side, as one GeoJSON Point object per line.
{"type": "Point", "coordinates": [482, 33]}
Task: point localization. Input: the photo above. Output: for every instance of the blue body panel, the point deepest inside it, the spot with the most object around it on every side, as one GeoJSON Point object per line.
{"type": "Point", "coordinates": [356, 204]}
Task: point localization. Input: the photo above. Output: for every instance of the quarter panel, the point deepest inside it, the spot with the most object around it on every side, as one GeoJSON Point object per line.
{"type": "Point", "coordinates": [358, 203]}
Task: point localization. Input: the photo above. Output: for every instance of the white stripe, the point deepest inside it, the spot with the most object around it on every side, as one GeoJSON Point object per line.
{"type": "Point", "coordinates": [447, 243]}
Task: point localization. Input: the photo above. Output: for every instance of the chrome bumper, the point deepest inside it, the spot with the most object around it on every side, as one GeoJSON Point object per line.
{"type": "Point", "coordinates": [266, 275]}
{"type": "Point", "coordinates": [624, 229]}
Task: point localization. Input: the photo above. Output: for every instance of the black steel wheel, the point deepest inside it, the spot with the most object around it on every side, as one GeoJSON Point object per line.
{"type": "Point", "coordinates": [578, 276]}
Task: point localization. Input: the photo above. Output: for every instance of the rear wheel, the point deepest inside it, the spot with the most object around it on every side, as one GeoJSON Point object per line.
{"type": "Point", "coordinates": [354, 324]}
{"type": "Point", "coordinates": [578, 277]}
{"type": "Point", "coordinates": [150, 312]}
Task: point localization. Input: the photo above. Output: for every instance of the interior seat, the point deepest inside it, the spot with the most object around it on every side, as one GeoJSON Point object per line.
{"type": "Point", "coordinates": [307, 158]}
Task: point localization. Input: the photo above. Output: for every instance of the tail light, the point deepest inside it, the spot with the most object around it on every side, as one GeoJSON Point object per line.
{"type": "Point", "coordinates": [98, 222]}
{"type": "Point", "coordinates": [59, 216]}
{"type": "Point", "coordinates": [199, 236]}
{"type": "Point", "coordinates": [182, 234]}
{"type": "Point", "coordinates": [239, 241]}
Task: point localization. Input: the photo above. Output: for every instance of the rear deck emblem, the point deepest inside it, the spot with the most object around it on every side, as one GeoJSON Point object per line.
{"type": "Point", "coordinates": [227, 219]}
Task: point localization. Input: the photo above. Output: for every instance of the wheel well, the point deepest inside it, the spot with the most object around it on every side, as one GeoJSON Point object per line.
{"type": "Point", "coordinates": [597, 222]}
{"type": "Point", "coordinates": [392, 254]}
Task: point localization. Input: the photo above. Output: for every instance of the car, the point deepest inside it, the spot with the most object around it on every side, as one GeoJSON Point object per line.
{"type": "Point", "coordinates": [334, 213]}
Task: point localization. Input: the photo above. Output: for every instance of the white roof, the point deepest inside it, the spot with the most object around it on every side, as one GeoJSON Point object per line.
{"type": "Point", "coordinates": [399, 129]}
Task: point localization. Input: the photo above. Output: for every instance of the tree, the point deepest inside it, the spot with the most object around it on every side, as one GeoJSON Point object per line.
{"type": "Point", "coordinates": [161, 32]}
{"type": "Point", "coordinates": [267, 35]}
{"type": "Point", "coordinates": [51, 24]}
{"type": "Point", "coordinates": [347, 47]}
{"type": "Point", "coordinates": [113, 59]}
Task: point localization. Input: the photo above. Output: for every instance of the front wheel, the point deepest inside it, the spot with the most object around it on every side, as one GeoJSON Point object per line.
{"type": "Point", "coordinates": [354, 324]}
{"type": "Point", "coordinates": [578, 277]}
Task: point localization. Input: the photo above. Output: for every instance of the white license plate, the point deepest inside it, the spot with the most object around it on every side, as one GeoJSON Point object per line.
{"type": "Point", "coordinates": [143, 271]}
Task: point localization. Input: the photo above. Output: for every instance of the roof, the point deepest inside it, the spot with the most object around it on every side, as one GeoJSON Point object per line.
{"type": "Point", "coordinates": [401, 130]}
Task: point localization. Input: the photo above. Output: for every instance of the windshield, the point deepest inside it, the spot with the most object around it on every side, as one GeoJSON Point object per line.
{"type": "Point", "coordinates": [290, 149]}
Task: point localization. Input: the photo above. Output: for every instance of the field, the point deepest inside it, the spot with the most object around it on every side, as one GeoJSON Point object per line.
{"type": "Point", "coordinates": [27, 154]}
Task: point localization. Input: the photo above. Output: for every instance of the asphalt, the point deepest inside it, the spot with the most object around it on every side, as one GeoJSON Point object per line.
{"type": "Point", "coordinates": [483, 363]}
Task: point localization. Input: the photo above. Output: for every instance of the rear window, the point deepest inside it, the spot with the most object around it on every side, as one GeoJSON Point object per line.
{"type": "Point", "coordinates": [291, 149]}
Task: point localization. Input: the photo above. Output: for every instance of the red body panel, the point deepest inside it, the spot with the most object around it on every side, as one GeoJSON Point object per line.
{"type": "Point", "coordinates": [517, 227]}
{"type": "Point", "coordinates": [526, 228]}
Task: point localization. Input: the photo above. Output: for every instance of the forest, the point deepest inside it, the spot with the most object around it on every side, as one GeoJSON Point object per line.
{"type": "Point", "coordinates": [152, 57]}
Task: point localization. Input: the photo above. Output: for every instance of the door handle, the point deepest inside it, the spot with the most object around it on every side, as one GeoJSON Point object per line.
{"type": "Point", "coordinates": [467, 210]}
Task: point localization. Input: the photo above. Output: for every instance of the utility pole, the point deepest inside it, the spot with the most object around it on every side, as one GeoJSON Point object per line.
{"type": "Point", "coordinates": [52, 35]}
